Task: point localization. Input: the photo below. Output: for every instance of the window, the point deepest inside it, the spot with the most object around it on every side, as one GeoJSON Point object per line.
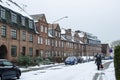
{"type": "Point", "coordinates": [45, 29]}
{"type": "Point", "coordinates": [56, 43]}
{"type": "Point", "coordinates": [14, 17]}
{"type": "Point", "coordinates": [52, 42]}
{"type": "Point", "coordinates": [23, 35]}
{"type": "Point", "coordinates": [23, 21]}
{"type": "Point", "coordinates": [23, 51]}
{"type": "Point", "coordinates": [2, 13]}
{"type": "Point", "coordinates": [59, 34]}
{"type": "Point", "coordinates": [62, 44]}
{"type": "Point", "coordinates": [40, 40]}
{"type": "Point", "coordinates": [31, 51]}
{"type": "Point", "coordinates": [46, 41]}
{"type": "Point", "coordinates": [59, 43]}
{"type": "Point", "coordinates": [13, 34]}
{"type": "Point", "coordinates": [3, 31]}
{"type": "Point", "coordinates": [41, 53]}
{"type": "Point", "coordinates": [30, 24]}
{"type": "Point", "coordinates": [31, 38]}
{"type": "Point", "coordinates": [55, 33]}
{"type": "Point", "coordinates": [14, 51]}
{"type": "Point", "coordinates": [42, 28]}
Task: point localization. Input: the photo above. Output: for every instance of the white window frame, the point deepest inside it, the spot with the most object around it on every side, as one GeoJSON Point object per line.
{"type": "Point", "coordinates": [23, 35]}
{"type": "Point", "coordinates": [40, 40]}
{"type": "Point", "coordinates": [45, 29]}
{"type": "Point", "coordinates": [23, 21]}
{"type": "Point", "coordinates": [42, 28]}
{"type": "Point", "coordinates": [2, 13]}
{"type": "Point", "coordinates": [30, 24]}
{"type": "Point", "coordinates": [13, 33]}
{"type": "Point", "coordinates": [13, 17]}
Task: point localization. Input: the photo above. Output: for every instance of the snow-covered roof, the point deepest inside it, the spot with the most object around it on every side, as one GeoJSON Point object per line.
{"type": "Point", "coordinates": [62, 31]}
{"type": "Point", "coordinates": [14, 7]}
{"type": "Point", "coordinates": [82, 34]}
{"type": "Point", "coordinates": [63, 38]}
{"type": "Point", "coordinates": [50, 35]}
{"type": "Point", "coordinates": [81, 42]}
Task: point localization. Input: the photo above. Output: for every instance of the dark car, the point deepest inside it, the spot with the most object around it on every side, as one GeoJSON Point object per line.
{"type": "Point", "coordinates": [8, 70]}
{"type": "Point", "coordinates": [71, 60]}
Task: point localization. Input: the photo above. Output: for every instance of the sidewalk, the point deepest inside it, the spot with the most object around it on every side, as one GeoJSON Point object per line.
{"type": "Point", "coordinates": [100, 74]}
{"type": "Point", "coordinates": [39, 67]}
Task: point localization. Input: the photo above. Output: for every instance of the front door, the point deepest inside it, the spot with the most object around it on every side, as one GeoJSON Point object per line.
{"type": "Point", "coordinates": [3, 52]}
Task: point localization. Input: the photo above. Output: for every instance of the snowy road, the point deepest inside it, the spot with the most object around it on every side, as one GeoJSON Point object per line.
{"type": "Point", "coordinates": [83, 71]}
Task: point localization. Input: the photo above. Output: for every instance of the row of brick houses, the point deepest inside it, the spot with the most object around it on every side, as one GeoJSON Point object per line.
{"type": "Point", "coordinates": [21, 34]}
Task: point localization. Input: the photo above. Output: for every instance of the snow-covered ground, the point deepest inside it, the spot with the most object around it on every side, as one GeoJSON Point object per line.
{"type": "Point", "coordinates": [82, 71]}
{"type": "Point", "coordinates": [110, 73]}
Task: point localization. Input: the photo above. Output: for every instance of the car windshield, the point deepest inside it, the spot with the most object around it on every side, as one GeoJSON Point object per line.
{"type": "Point", "coordinates": [70, 58]}
{"type": "Point", "coordinates": [7, 63]}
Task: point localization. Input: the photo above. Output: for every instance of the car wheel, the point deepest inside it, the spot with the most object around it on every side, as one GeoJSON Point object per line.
{"type": "Point", "coordinates": [18, 75]}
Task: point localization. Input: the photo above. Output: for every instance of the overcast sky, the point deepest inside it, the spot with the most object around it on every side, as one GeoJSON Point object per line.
{"type": "Point", "coordinates": [99, 17]}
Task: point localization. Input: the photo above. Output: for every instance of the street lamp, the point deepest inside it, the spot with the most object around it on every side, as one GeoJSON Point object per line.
{"type": "Point", "coordinates": [59, 19]}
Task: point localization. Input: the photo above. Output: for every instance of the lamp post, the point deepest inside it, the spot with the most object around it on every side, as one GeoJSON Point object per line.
{"type": "Point", "coordinates": [59, 19]}
{"type": "Point", "coordinates": [54, 34]}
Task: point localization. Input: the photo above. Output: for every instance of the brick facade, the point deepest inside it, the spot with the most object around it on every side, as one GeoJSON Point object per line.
{"type": "Point", "coordinates": [34, 36]}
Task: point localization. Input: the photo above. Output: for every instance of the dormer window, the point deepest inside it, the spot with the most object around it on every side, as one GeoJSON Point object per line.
{"type": "Point", "coordinates": [23, 21]}
{"type": "Point", "coordinates": [14, 17]}
{"type": "Point", "coordinates": [2, 13]}
{"type": "Point", "coordinates": [30, 24]}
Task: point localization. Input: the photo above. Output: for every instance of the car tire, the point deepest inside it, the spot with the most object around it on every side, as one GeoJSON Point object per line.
{"type": "Point", "coordinates": [18, 75]}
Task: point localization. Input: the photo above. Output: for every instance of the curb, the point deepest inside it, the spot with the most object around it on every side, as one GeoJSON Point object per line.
{"type": "Point", "coordinates": [40, 68]}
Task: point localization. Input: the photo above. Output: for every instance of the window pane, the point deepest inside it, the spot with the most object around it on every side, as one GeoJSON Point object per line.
{"type": "Point", "coordinates": [2, 13]}
{"type": "Point", "coordinates": [30, 51]}
{"type": "Point", "coordinates": [31, 38]}
{"type": "Point", "coordinates": [23, 35]}
{"type": "Point", "coordinates": [6, 63]}
{"type": "Point", "coordinates": [3, 31]}
{"type": "Point", "coordinates": [30, 24]}
{"type": "Point", "coordinates": [14, 51]}
{"type": "Point", "coordinates": [42, 28]}
{"type": "Point", "coordinates": [14, 17]}
{"type": "Point", "coordinates": [13, 34]}
{"type": "Point", "coordinates": [23, 21]}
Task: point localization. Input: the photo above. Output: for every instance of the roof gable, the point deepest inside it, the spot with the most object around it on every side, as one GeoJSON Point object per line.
{"type": "Point", "coordinates": [54, 26]}
{"type": "Point", "coordinates": [40, 17]}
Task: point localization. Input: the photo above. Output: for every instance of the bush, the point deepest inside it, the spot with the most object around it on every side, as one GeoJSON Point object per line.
{"type": "Point", "coordinates": [117, 62]}
{"type": "Point", "coordinates": [24, 60]}
{"type": "Point", "coordinates": [38, 60]}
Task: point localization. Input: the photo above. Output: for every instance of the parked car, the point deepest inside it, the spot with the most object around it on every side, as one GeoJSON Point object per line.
{"type": "Point", "coordinates": [8, 70]}
{"type": "Point", "coordinates": [71, 60]}
{"type": "Point", "coordinates": [80, 59]}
